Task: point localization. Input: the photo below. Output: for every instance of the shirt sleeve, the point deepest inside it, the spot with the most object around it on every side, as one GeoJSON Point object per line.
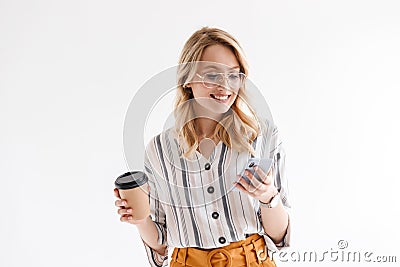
{"type": "Point", "coordinates": [277, 153]}
{"type": "Point", "coordinates": [157, 215]}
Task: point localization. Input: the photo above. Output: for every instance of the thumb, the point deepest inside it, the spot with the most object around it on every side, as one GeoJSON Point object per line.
{"type": "Point", "coordinates": [116, 193]}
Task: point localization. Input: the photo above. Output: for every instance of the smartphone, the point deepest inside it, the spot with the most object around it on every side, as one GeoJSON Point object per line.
{"type": "Point", "coordinates": [263, 163]}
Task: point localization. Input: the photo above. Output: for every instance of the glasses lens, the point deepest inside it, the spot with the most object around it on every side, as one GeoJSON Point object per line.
{"type": "Point", "coordinates": [212, 80]}
{"type": "Point", "coordinates": [235, 80]}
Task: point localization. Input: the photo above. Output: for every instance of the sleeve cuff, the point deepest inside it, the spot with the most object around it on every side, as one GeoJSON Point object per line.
{"type": "Point", "coordinates": [156, 259]}
{"type": "Point", "coordinates": [162, 240]}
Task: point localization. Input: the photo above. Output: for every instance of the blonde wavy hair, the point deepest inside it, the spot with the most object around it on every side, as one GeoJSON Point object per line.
{"type": "Point", "coordinates": [243, 128]}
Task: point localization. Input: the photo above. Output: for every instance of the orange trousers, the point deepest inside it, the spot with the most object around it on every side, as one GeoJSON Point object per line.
{"type": "Point", "coordinates": [245, 253]}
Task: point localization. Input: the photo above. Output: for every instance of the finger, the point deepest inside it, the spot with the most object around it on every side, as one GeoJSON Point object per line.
{"type": "Point", "coordinates": [248, 187]}
{"type": "Point", "coordinates": [126, 218]}
{"type": "Point", "coordinates": [266, 178]}
{"type": "Point", "coordinates": [120, 203]}
{"type": "Point", "coordinates": [260, 172]}
{"type": "Point", "coordinates": [239, 185]}
{"type": "Point", "coordinates": [125, 211]}
{"type": "Point", "coordinates": [116, 193]}
{"type": "Point", "coordinates": [123, 218]}
{"type": "Point", "coordinates": [269, 175]}
{"type": "Point", "coordinates": [258, 187]}
{"type": "Point", "coordinates": [242, 188]}
{"type": "Point", "coordinates": [255, 182]}
{"type": "Point", "coordinates": [243, 182]}
{"type": "Point", "coordinates": [129, 219]}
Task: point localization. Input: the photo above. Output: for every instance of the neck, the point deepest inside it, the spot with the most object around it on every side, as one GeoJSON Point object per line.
{"type": "Point", "coordinates": [205, 121]}
{"type": "Point", "coordinates": [205, 127]}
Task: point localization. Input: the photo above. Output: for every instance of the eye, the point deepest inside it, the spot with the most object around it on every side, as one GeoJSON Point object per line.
{"type": "Point", "coordinates": [233, 76]}
{"type": "Point", "coordinates": [211, 76]}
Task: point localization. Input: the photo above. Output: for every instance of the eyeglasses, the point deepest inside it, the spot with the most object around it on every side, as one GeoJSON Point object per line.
{"type": "Point", "coordinates": [213, 79]}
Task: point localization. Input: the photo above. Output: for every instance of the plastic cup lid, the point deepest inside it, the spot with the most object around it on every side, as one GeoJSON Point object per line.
{"type": "Point", "coordinates": [131, 180]}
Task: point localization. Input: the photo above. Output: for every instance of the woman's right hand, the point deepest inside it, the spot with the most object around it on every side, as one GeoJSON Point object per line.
{"type": "Point", "coordinates": [125, 212]}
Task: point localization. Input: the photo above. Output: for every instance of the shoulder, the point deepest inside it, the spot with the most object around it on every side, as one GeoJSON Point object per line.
{"type": "Point", "coordinates": [161, 139]}
{"type": "Point", "coordinates": [267, 127]}
{"type": "Point", "coordinates": [162, 148]}
{"type": "Point", "coordinates": [267, 138]}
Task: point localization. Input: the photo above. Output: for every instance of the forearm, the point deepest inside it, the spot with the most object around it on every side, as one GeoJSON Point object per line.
{"type": "Point", "coordinates": [275, 222]}
{"type": "Point", "coordinates": [149, 234]}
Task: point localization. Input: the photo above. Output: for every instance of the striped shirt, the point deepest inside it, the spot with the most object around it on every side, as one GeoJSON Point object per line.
{"type": "Point", "coordinates": [193, 201]}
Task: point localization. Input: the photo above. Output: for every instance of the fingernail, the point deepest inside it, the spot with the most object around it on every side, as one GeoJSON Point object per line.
{"type": "Point", "coordinates": [130, 218]}
{"type": "Point", "coordinates": [124, 203]}
{"type": "Point", "coordinates": [129, 210]}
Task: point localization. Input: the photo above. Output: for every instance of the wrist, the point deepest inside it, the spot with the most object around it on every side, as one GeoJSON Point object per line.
{"type": "Point", "coordinates": [272, 202]}
{"type": "Point", "coordinates": [143, 222]}
{"type": "Point", "coordinates": [267, 199]}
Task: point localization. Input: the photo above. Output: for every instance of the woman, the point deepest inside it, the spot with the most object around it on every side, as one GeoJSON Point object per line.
{"type": "Point", "coordinates": [194, 166]}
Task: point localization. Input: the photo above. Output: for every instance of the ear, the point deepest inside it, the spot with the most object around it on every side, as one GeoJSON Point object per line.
{"type": "Point", "coordinates": [188, 89]}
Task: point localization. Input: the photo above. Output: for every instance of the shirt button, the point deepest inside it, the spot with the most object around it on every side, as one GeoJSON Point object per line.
{"type": "Point", "coordinates": [222, 240]}
{"type": "Point", "coordinates": [210, 189]}
{"type": "Point", "coordinates": [215, 215]}
{"type": "Point", "coordinates": [207, 166]}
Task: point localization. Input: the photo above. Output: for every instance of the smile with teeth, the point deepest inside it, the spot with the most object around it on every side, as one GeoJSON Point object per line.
{"type": "Point", "coordinates": [220, 97]}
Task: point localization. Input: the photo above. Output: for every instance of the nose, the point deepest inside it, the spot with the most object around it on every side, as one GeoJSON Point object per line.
{"type": "Point", "coordinates": [225, 88]}
{"type": "Point", "coordinates": [223, 84]}
{"type": "Point", "coordinates": [224, 91]}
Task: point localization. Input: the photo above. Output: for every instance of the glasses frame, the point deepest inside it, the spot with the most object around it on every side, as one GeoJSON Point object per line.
{"type": "Point", "coordinates": [215, 85]}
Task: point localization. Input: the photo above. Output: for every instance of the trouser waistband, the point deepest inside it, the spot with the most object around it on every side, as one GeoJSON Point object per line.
{"type": "Point", "coordinates": [240, 253]}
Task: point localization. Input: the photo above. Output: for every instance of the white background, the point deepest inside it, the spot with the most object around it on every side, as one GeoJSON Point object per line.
{"type": "Point", "coordinates": [69, 69]}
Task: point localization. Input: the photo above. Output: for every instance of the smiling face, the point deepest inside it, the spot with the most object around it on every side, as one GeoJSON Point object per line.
{"type": "Point", "coordinates": [219, 59]}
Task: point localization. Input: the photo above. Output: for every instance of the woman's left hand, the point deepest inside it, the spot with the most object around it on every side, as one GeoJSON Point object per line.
{"type": "Point", "coordinates": [263, 191]}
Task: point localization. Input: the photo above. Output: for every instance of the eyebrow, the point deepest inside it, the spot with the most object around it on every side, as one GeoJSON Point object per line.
{"type": "Point", "coordinates": [214, 67]}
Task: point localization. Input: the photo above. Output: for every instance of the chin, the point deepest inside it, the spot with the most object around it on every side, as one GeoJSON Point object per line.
{"type": "Point", "coordinates": [210, 107]}
{"type": "Point", "coordinates": [219, 109]}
